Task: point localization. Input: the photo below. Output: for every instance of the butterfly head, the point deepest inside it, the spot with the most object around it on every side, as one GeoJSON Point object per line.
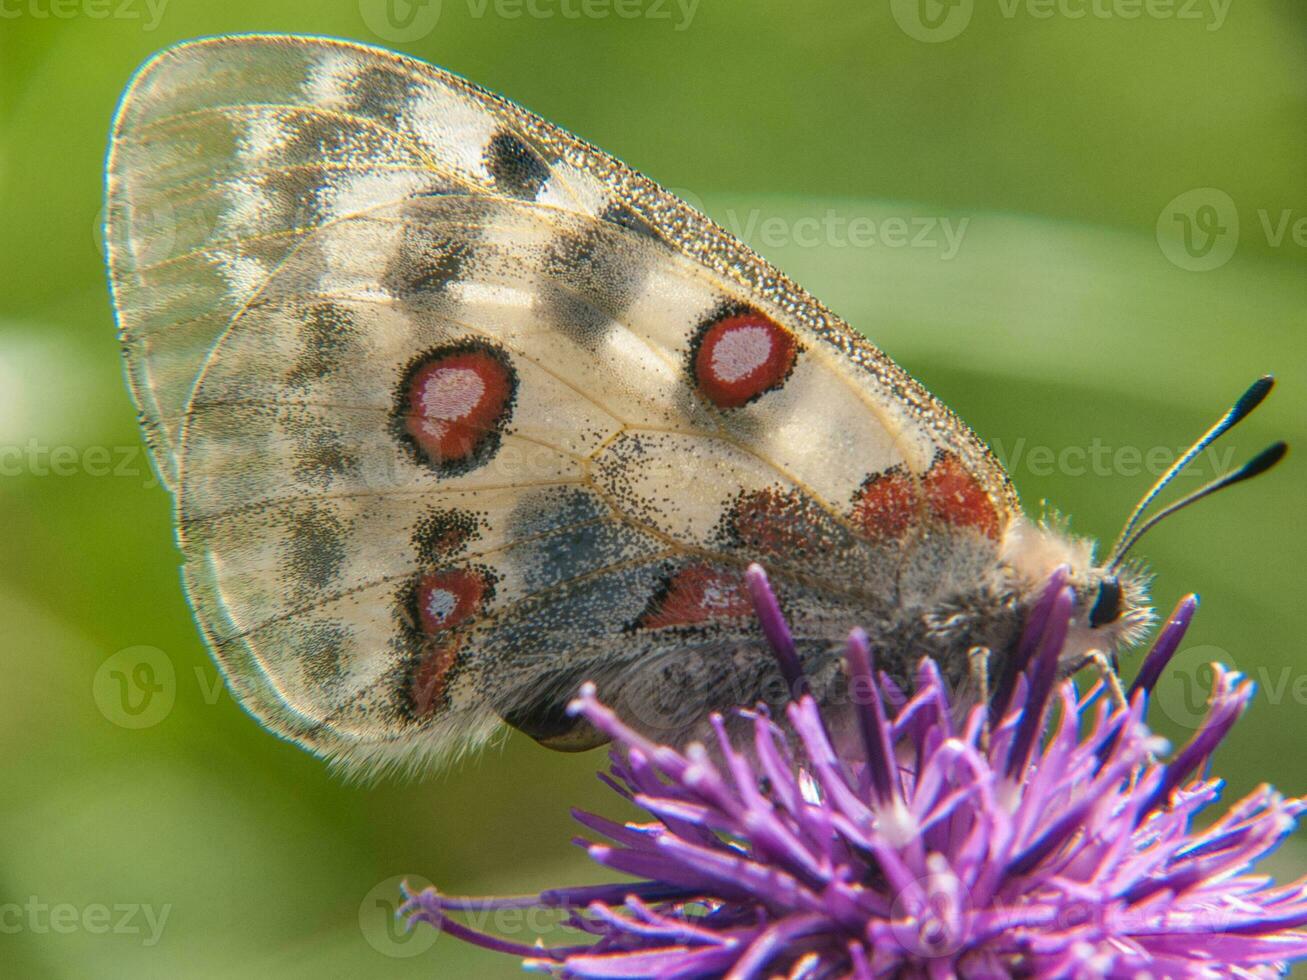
{"type": "Point", "coordinates": [1112, 610]}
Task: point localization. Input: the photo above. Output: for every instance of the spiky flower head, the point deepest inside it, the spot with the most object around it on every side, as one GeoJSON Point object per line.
{"type": "Point", "coordinates": [1047, 834]}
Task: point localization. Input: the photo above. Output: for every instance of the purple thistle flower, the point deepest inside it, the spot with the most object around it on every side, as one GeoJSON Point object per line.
{"type": "Point", "coordinates": [1050, 842]}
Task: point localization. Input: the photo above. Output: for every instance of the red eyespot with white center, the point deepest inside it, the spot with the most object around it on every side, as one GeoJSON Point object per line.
{"type": "Point", "coordinates": [449, 598]}
{"type": "Point", "coordinates": [454, 402]}
{"type": "Point", "coordinates": [740, 354]}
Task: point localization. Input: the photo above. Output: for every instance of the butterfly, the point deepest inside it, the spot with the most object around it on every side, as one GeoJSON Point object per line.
{"type": "Point", "coordinates": [459, 411]}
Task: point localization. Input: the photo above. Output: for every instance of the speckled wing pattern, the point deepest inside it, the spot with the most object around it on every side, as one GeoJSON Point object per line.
{"type": "Point", "coordinates": [458, 411]}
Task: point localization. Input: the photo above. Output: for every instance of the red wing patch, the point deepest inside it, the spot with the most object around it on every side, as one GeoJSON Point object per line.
{"type": "Point", "coordinates": [774, 523]}
{"type": "Point", "coordinates": [428, 684]}
{"type": "Point", "coordinates": [440, 602]}
{"type": "Point", "coordinates": [740, 354]}
{"type": "Point", "coordinates": [695, 595]}
{"type": "Point", "coordinates": [887, 504]}
{"type": "Point", "coordinates": [956, 497]}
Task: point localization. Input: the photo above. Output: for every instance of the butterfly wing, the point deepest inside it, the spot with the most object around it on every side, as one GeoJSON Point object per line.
{"type": "Point", "coordinates": [458, 410]}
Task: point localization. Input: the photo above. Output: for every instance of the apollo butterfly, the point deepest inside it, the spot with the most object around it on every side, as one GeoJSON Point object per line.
{"type": "Point", "coordinates": [459, 411]}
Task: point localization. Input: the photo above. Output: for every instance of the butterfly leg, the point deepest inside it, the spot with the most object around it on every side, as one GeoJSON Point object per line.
{"type": "Point", "coordinates": [978, 658]}
{"type": "Point", "coordinates": [1107, 669]}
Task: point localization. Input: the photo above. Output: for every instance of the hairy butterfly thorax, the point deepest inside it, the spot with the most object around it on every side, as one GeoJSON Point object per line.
{"type": "Point", "coordinates": [459, 412]}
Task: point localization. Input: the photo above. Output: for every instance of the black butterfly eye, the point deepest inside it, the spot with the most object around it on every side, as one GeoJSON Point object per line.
{"type": "Point", "coordinates": [1107, 607]}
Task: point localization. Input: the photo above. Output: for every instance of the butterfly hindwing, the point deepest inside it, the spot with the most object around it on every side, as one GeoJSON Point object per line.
{"type": "Point", "coordinates": [459, 411]}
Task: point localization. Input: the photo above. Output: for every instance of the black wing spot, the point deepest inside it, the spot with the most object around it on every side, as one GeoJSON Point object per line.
{"type": "Point", "coordinates": [591, 286]}
{"type": "Point", "coordinates": [442, 534]}
{"type": "Point", "coordinates": [515, 167]}
{"type": "Point", "coordinates": [315, 547]}
{"type": "Point", "coordinates": [321, 648]}
{"type": "Point", "coordinates": [379, 93]}
{"type": "Point", "coordinates": [326, 336]}
{"type": "Point", "coordinates": [320, 454]}
{"type": "Point", "coordinates": [429, 260]}
{"type": "Point", "coordinates": [427, 263]}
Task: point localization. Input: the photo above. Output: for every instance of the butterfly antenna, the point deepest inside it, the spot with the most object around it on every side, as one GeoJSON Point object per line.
{"type": "Point", "coordinates": [1239, 411]}
{"type": "Point", "coordinates": [1256, 466]}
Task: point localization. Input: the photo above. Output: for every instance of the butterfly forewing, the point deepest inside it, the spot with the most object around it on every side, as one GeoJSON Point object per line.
{"type": "Point", "coordinates": [459, 411]}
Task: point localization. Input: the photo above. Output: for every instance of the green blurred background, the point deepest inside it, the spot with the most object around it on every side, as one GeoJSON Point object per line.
{"type": "Point", "coordinates": [1067, 318]}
